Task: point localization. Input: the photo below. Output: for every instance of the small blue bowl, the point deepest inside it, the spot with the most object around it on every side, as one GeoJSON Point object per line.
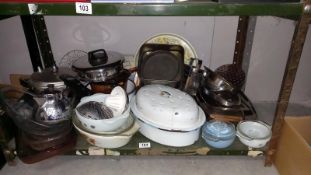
{"type": "Point", "coordinates": [218, 134]}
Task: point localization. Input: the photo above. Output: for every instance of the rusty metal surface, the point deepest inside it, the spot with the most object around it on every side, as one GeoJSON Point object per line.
{"type": "Point", "coordinates": [288, 81]}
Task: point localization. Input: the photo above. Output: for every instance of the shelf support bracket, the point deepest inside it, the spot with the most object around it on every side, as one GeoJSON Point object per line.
{"type": "Point", "coordinates": [240, 40]}
{"type": "Point", "coordinates": [37, 41]}
{"type": "Point", "coordinates": [288, 79]}
{"type": "Point", "coordinates": [244, 42]}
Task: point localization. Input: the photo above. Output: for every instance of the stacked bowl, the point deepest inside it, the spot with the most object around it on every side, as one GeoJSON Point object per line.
{"type": "Point", "coordinates": [105, 120]}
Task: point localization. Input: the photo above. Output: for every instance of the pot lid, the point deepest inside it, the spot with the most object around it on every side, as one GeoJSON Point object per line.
{"type": "Point", "coordinates": [98, 59]}
{"type": "Point", "coordinates": [167, 108]}
{"type": "Point", "coordinates": [50, 77]}
{"type": "Point", "coordinates": [219, 129]}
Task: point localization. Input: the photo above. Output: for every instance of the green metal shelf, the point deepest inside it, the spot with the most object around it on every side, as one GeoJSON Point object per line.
{"type": "Point", "coordinates": [207, 8]}
{"type": "Point", "coordinates": [199, 148]}
{"type": "Point", "coordinates": [192, 8]}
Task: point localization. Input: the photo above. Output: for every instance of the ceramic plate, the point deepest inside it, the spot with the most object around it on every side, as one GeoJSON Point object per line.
{"type": "Point", "coordinates": [172, 39]}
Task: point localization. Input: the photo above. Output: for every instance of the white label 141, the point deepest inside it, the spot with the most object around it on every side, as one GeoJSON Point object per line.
{"type": "Point", "coordinates": [144, 145]}
{"type": "Point", "coordinates": [84, 8]}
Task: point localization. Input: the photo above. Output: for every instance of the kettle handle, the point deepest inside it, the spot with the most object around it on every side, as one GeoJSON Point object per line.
{"type": "Point", "coordinates": [25, 82]}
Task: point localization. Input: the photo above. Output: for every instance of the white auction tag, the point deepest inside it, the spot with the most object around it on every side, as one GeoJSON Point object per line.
{"type": "Point", "coordinates": [144, 145]}
{"type": "Point", "coordinates": [32, 8]}
{"type": "Point", "coordinates": [84, 8]}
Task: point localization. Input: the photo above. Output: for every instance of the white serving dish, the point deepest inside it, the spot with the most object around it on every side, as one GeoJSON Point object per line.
{"type": "Point", "coordinates": [173, 138]}
{"type": "Point", "coordinates": [108, 141]}
{"type": "Point", "coordinates": [169, 138]}
{"type": "Point", "coordinates": [104, 125]}
{"type": "Point", "coordinates": [254, 134]}
{"type": "Point", "coordinates": [167, 108]}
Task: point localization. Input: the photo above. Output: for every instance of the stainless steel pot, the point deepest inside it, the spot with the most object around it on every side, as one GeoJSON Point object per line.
{"type": "Point", "coordinates": [215, 82]}
{"type": "Point", "coordinates": [99, 65]}
{"type": "Point", "coordinates": [102, 69]}
{"type": "Point", "coordinates": [224, 98]}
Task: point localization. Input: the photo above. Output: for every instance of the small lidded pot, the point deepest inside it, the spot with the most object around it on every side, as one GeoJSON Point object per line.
{"type": "Point", "coordinates": [102, 69]}
{"type": "Point", "coordinates": [218, 134]}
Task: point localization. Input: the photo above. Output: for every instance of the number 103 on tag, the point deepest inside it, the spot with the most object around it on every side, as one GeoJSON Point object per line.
{"type": "Point", "coordinates": [84, 8]}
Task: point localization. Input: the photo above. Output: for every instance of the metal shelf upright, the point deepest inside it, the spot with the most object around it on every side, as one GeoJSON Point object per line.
{"type": "Point", "coordinates": [300, 11]}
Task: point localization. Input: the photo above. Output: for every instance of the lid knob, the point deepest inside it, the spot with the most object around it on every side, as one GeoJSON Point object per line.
{"type": "Point", "coordinates": [97, 57]}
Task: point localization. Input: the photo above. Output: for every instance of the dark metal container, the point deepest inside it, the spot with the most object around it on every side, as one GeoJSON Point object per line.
{"type": "Point", "coordinates": [161, 64]}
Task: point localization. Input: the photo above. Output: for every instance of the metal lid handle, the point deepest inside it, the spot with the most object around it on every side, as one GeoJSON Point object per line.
{"type": "Point", "coordinates": [98, 57]}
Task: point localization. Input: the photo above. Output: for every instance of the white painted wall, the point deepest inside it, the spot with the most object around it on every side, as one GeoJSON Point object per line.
{"type": "Point", "coordinates": [126, 34]}
{"type": "Point", "coordinates": [302, 86]}
{"type": "Point", "coordinates": [268, 58]}
{"type": "Point", "coordinates": [223, 42]}
{"type": "Point", "coordinates": [212, 37]}
{"type": "Point", "coordinates": [269, 54]}
{"type": "Point", "coordinates": [13, 48]}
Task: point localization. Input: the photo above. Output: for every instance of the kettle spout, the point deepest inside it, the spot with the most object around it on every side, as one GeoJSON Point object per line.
{"type": "Point", "coordinates": [39, 101]}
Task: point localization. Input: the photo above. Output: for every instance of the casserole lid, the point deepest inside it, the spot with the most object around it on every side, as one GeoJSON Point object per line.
{"type": "Point", "coordinates": [167, 108]}
{"type": "Point", "coordinates": [98, 59]}
{"type": "Point", "coordinates": [219, 130]}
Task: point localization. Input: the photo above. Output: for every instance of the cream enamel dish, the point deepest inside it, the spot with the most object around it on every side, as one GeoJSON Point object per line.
{"type": "Point", "coordinates": [254, 134]}
{"type": "Point", "coordinates": [167, 108]}
{"type": "Point", "coordinates": [168, 38]}
{"type": "Point", "coordinates": [108, 141]}
{"type": "Point", "coordinates": [103, 125]}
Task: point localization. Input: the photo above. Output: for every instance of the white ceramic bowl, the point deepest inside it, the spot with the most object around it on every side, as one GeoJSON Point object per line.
{"type": "Point", "coordinates": [170, 137]}
{"type": "Point", "coordinates": [104, 125]}
{"type": "Point", "coordinates": [108, 141]}
{"type": "Point", "coordinates": [167, 108]}
{"type": "Point", "coordinates": [254, 134]}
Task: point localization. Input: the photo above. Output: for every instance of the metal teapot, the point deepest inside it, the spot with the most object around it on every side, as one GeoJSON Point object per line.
{"type": "Point", "coordinates": [50, 93]}
{"type": "Point", "coordinates": [53, 106]}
